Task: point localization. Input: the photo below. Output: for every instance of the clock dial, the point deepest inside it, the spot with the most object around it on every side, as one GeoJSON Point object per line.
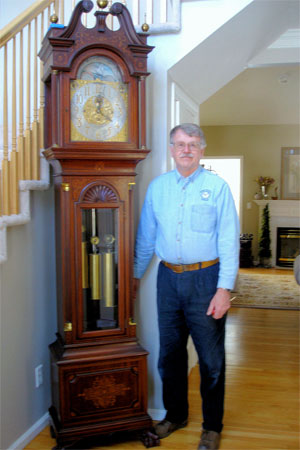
{"type": "Point", "coordinates": [99, 102]}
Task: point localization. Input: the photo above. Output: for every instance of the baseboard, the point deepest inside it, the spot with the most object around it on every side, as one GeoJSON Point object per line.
{"type": "Point", "coordinates": [157, 414]}
{"type": "Point", "coordinates": [30, 434]}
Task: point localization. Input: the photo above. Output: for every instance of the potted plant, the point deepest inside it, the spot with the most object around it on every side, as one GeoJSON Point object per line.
{"type": "Point", "coordinates": [264, 252]}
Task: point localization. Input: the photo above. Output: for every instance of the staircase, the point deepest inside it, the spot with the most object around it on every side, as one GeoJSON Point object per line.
{"type": "Point", "coordinates": [22, 165]}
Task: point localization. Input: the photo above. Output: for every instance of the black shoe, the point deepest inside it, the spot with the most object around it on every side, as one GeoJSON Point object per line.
{"type": "Point", "coordinates": [165, 428]}
{"type": "Point", "coordinates": [210, 440]}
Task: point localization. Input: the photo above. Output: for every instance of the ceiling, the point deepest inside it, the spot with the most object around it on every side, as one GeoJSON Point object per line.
{"type": "Point", "coordinates": [248, 71]}
{"type": "Point", "coordinates": [264, 95]}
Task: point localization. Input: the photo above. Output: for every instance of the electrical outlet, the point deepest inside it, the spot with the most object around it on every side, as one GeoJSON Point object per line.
{"type": "Point", "coordinates": [38, 375]}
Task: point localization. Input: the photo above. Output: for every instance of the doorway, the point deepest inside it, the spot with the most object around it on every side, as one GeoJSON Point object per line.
{"type": "Point", "coordinates": [230, 169]}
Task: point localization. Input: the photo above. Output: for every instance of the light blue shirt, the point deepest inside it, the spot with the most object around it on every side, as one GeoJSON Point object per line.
{"type": "Point", "coordinates": [185, 220]}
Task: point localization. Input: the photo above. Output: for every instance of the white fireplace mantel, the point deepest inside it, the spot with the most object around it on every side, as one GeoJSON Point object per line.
{"type": "Point", "coordinates": [282, 208]}
{"type": "Point", "coordinates": [283, 213]}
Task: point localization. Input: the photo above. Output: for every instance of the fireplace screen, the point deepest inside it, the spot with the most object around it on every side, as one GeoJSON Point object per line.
{"type": "Point", "coordinates": [288, 246]}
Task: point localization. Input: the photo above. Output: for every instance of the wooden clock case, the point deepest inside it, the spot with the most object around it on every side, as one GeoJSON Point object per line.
{"type": "Point", "coordinates": [99, 374]}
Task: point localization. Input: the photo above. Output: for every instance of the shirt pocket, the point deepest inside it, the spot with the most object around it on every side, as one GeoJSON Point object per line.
{"type": "Point", "coordinates": [203, 218]}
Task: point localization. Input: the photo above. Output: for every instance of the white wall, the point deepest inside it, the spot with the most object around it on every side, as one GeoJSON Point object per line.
{"type": "Point", "coordinates": [9, 11]}
{"type": "Point", "coordinates": [28, 319]}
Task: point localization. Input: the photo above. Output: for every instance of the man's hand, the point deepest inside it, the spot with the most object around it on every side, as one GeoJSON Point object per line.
{"type": "Point", "coordinates": [220, 304]}
{"type": "Point", "coordinates": [135, 287]}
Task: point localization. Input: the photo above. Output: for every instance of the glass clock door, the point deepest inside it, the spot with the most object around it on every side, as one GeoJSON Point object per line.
{"type": "Point", "coordinates": [100, 268]}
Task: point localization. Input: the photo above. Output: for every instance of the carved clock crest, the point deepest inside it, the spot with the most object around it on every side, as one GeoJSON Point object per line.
{"type": "Point", "coordinates": [95, 117]}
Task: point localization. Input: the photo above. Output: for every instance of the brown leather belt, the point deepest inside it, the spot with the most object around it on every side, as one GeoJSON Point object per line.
{"type": "Point", "coordinates": [179, 268]}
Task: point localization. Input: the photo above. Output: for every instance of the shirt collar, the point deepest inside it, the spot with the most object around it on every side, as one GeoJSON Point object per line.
{"type": "Point", "coordinates": [191, 177]}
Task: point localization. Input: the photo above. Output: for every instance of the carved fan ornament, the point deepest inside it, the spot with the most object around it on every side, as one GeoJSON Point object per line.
{"type": "Point", "coordinates": [100, 193]}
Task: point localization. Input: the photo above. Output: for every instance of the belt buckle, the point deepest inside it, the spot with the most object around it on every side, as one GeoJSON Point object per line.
{"type": "Point", "coordinates": [180, 268]}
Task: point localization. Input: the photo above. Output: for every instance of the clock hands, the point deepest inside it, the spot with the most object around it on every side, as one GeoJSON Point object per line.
{"type": "Point", "coordinates": [99, 102]}
{"type": "Point", "coordinates": [100, 107]}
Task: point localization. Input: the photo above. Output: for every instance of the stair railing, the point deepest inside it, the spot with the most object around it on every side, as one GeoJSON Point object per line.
{"type": "Point", "coordinates": [22, 165]}
{"type": "Point", "coordinates": [22, 73]}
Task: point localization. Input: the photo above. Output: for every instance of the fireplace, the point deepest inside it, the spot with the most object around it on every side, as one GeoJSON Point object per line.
{"type": "Point", "coordinates": [288, 246]}
{"type": "Point", "coordinates": [283, 214]}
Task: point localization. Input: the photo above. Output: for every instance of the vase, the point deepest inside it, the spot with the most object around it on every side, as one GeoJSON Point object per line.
{"type": "Point", "coordinates": [264, 192]}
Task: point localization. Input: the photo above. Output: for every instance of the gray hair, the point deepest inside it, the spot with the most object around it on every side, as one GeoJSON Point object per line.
{"type": "Point", "coordinates": [191, 129]}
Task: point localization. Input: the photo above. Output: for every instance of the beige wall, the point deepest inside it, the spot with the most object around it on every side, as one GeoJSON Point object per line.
{"type": "Point", "coordinates": [261, 147]}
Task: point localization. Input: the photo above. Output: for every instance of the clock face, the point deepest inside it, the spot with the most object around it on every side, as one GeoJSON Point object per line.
{"type": "Point", "coordinates": [99, 102]}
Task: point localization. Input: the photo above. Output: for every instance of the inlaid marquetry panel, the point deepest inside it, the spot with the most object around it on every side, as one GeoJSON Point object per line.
{"type": "Point", "coordinates": [103, 391]}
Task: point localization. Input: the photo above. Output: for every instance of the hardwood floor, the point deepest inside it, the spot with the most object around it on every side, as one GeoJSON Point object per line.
{"type": "Point", "coordinates": [267, 271]}
{"type": "Point", "coordinates": [262, 388]}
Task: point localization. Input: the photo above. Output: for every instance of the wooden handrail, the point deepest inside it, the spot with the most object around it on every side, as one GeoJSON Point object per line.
{"type": "Point", "coordinates": [23, 136]}
{"type": "Point", "coordinates": [21, 165]}
{"type": "Point", "coordinates": [23, 19]}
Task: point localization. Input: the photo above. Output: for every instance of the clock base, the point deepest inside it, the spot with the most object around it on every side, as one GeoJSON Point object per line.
{"type": "Point", "coordinates": [146, 435]}
{"type": "Point", "coordinates": [99, 390]}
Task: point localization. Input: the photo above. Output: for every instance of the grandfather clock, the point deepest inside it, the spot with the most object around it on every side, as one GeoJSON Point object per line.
{"type": "Point", "coordinates": [94, 137]}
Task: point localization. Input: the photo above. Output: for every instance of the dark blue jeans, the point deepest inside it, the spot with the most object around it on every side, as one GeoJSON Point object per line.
{"type": "Point", "coordinates": [182, 301]}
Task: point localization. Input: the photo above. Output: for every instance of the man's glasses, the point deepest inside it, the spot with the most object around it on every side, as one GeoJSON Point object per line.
{"type": "Point", "coordinates": [192, 146]}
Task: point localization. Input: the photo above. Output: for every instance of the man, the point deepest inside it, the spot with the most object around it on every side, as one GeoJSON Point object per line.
{"type": "Point", "coordinates": [189, 220]}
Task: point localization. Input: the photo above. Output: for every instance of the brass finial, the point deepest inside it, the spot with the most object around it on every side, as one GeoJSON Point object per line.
{"type": "Point", "coordinates": [54, 18]}
{"type": "Point", "coordinates": [145, 26]}
{"type": "Point", "coordinates": [102, 3]}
